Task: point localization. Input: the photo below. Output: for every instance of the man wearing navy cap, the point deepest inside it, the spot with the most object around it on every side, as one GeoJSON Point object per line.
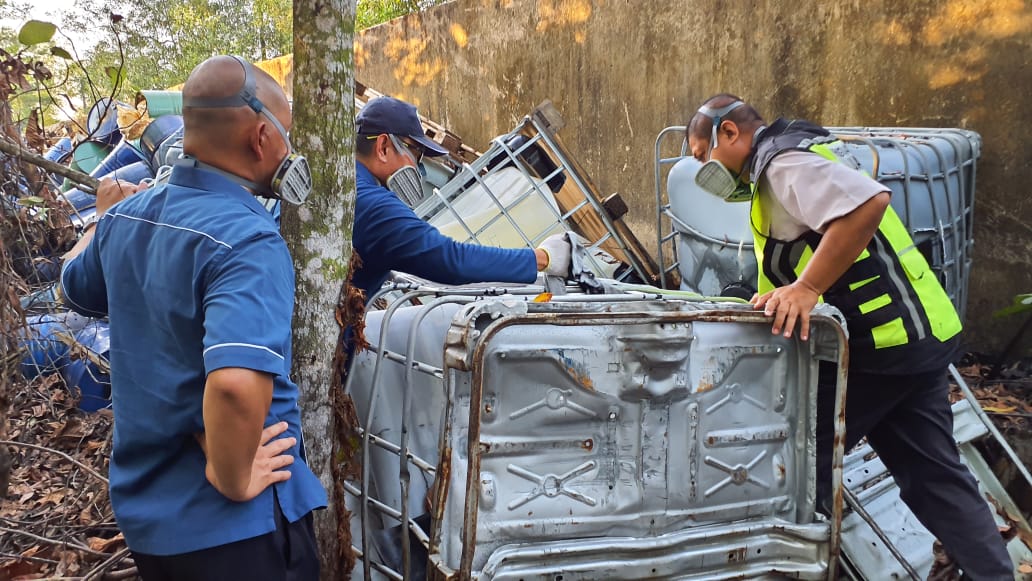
{"type": "Point", "coordinates": [389, 236]}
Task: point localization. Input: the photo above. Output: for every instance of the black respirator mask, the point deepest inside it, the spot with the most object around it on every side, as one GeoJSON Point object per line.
{"type": "Point", "coordinates": [292, 181]}
{"type": "Point", "coordinates": [714, 177]}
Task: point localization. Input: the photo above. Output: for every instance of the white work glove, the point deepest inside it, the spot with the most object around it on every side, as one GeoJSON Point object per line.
{"type": "Point", "coordinates": [557, 247]}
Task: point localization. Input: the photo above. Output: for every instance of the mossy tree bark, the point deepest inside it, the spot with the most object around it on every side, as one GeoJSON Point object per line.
{"type": "Point", "coordinates": [319, 236]}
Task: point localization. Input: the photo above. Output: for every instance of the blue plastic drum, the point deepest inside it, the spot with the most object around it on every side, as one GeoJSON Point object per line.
{"type": "Point", "coordinates": [93, 384]}
{"type": "Point", "coordinates": [122, 155]}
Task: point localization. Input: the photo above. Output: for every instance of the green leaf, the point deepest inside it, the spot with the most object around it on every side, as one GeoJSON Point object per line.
{"type": "Point", "coordinates": [1021, 304]}
{"type": "Point", "coordinates": [115, 74]}
{"type": "Point", "coordinates": [32, 201]}
{"type": "Point", "coordinates": [35, 32]}
{"type": "Point", "coordinates": [60, 52]}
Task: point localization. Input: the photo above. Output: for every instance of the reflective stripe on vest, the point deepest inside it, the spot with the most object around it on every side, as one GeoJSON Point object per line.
{"type": "Point", "coordinates": [890, 296]}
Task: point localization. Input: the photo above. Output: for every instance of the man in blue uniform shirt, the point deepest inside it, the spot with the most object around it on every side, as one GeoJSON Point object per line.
{"type": "Point", "coordinates": [389, 236]}
{"type": "Point", "coordinates": [208, 478]}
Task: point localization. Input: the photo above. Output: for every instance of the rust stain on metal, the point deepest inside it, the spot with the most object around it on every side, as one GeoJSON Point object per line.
{"type": "Point", "coordinates": [705, 386]}
{"type": "Point", "coordinates": [588, 444]}
{"type": "Point", "coordinates": [488, 408]}
{"type": "Point", "coordinates": [581, 377]}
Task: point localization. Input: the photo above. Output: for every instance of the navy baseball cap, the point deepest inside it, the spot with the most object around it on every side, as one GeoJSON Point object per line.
{"type": "Point", "coordinates": [389, 115]}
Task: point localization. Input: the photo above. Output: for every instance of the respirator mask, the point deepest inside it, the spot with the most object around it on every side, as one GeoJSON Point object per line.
{"type": "Point", "coordinates": [407, 182]}
{"type": "Point", "coordinates": [292, 180]}
{"type": "Point", "coordinates": [714, 177]}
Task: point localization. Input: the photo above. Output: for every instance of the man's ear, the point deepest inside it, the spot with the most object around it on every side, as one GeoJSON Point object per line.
{"type": "Point", "coordinates": [258, 140]}
{"type": "Point", "coordinates": [383, 145]}
{"type": "Point", "coordinates": [730, 129]}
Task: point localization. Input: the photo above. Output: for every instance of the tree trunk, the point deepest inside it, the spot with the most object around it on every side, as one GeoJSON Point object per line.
{"type": "Point", "coordinates": [319, 236]}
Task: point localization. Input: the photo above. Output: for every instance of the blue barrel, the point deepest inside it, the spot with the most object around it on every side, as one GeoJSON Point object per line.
{"type": "Point", "coordinates": [159, 131]}
{"type": "Point", "coordinates": [102, 122]}
{"type": "Point", "coordinates": [59, 153]}
{"type": "Point", "coordinates": [81, 201]}
{"type": "Point", "coordinates": [42, 300]}
{"type": "Point", "coordinates": [122, 155]}
{"type": "Point", "coordinates": [44, 353]}
{"type": "Point", "coordinates": [94, 386]}
{"type": "Point", "coordinates": [60, 150]}
{"type": "Point", "coordinates": [931, 173]}
{"type": "Point", "coordinates": [87, 155]}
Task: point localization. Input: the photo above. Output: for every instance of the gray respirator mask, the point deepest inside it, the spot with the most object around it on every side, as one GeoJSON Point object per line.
{"type": "Point", "coordinates": [407, 182]}
{"type": "Point", "coordinates": [714, 177]}
{"type": "Point", "coordinates": [292, 180]}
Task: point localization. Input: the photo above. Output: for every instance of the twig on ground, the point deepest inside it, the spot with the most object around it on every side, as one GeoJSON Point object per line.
{"type": "Point", "coordinates": [97, 572]}
{"type": "Point", "coordinates": [57, 452]}
{"type": "Point", "coordinates": [65, 544]}
{"type": "Point", "coordinates": [18, 557]}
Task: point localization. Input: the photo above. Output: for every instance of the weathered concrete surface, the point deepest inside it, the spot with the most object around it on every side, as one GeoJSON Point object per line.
{"type": "Point", "coordinates": [622, 70]}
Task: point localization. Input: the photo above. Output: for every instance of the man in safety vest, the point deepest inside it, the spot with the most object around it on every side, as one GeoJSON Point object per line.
{"type": "Point", "coordinates": [824, 230]}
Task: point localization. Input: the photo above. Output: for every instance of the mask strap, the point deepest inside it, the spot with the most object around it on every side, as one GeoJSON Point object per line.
{"type": "Point", "coordinates": [402, 149]}
{"type": "Point", "coordinates": [246, 97]}
{"type": "Point", "coordinates": [717, 115]}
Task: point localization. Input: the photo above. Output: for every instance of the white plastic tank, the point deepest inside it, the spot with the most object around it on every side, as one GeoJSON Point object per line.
{"type": "Point", "coordinates": [715, 247]}
{"type": "Point", "coordinates": [536, 215]}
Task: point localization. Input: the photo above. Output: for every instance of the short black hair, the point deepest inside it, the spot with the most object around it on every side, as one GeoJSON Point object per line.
{"type": "Point", "coordinates": [746, 117]}
{"type": "Point", "coordinates": [364, 144]}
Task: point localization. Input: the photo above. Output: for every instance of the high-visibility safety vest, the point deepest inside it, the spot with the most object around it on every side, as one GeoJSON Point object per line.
{"type": "Point", "coordinates": [896, 310]}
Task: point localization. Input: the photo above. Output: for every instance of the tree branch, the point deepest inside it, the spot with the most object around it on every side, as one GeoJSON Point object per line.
{"type": "Point", "coordinates": [86, 182]}
{"type": "Point", "coordinates": [98, 572]}
{"type": "Point", "coordinates": [65, 544]}
{"type": "Point", "coordinates": [53, 451]}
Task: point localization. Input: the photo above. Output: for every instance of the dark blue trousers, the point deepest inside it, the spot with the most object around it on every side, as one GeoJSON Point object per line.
{"type": "Point", "coordinates": [289, 553]}
{"type": "Point", "coordinates": [908, 421]}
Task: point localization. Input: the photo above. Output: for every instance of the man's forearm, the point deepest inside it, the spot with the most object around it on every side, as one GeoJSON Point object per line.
{"type": "Point", "coordinates": [842, 243]}
{"type": "Point", "coordinates": [236, 403]}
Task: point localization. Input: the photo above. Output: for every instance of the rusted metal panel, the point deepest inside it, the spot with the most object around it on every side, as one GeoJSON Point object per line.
{"type": "Point", "coordinates": [611, 431]}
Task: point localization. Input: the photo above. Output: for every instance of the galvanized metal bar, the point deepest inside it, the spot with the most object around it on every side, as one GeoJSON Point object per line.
{"type": "Point", "coordinates": [659, 162]}
{"type": "Point", "coordinates": [417, 365]}
{"type": "Point", "coordinates": [392, 447]}
{"type": "Point", "coordinates": [375, 384]}
{"type": "Point", "coordinates": [838, 452]}
{"type": "Point", "coordinates": [977, 406]}
{"type": "Point", "coordinates": [406, 412]}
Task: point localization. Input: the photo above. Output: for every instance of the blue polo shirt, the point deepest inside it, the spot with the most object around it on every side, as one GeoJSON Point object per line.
{"type": "Point", "coordinates": [194, 277]}
{"type": "Point", "coordinates": [389, 236]}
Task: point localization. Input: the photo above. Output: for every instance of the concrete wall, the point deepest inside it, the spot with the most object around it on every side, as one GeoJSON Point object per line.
{"type": "Point", "coordinates": [622, 70]}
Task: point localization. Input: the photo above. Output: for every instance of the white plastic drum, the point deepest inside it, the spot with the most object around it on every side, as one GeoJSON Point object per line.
{"type": "Point", "coordinates": [714, 248]}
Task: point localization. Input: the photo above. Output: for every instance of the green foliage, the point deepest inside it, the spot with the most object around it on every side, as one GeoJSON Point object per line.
{"type": "Point", "coordinates": [1021, 304]}
{"type": "Point", "coordinates": [369, 13]}
{"type": "Point", "coordinates": [36, 32]}
{"type": "Point", "coordinates": [165, 39]}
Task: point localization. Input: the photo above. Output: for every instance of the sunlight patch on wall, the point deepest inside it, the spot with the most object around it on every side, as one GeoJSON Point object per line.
{"type": "Point", "coordinates": [412, 66]}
